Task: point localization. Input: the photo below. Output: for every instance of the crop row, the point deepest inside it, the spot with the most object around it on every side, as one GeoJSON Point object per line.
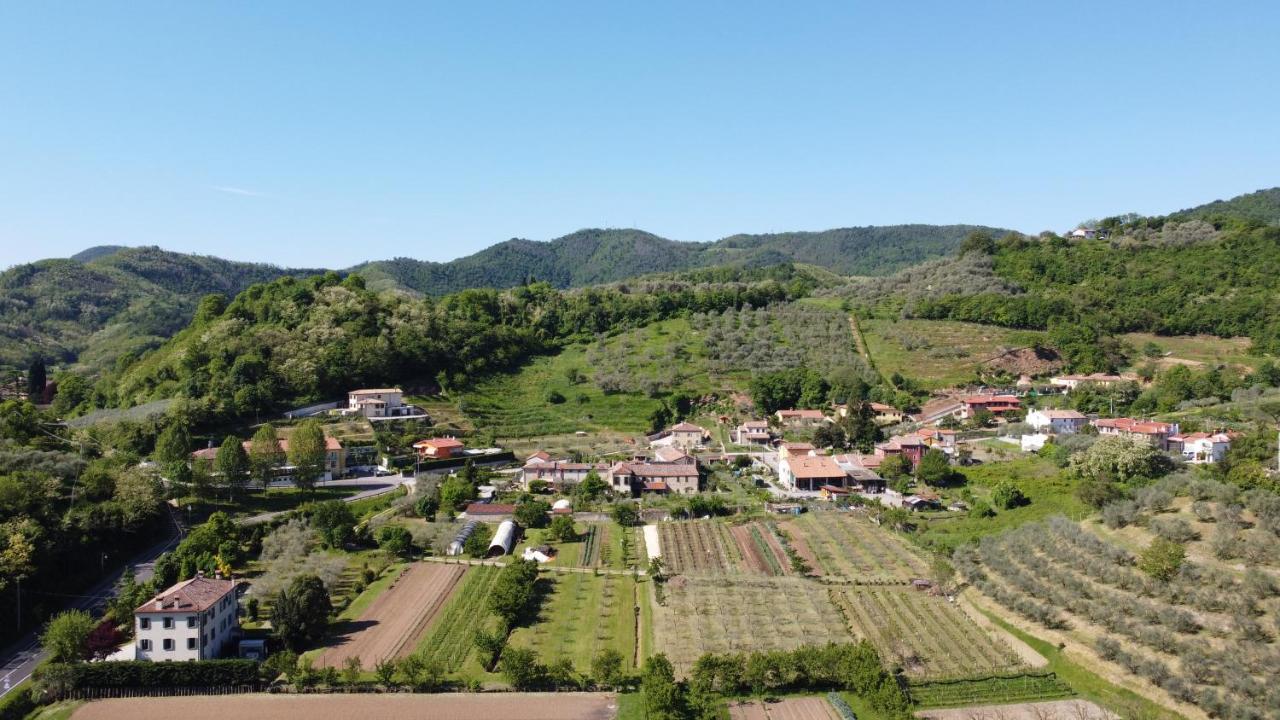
{"type": "Point", "coordinates": [451, 638]}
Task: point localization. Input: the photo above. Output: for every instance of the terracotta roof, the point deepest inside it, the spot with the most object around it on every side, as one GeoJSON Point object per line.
{"type": "Point", "coordinates": [751, 424]}
{"type": "Point", "coordinates": [642, 469]}
{"type": "Point", "coordinates": [802, 414]}
{"type": "Point", "coordinates": [656, 485]}
{"type": "Point", "coordinates": [489, 509]}
{"type": "Point", "coordinates": [438, 443]}
{"type": "Point", "coordinates": [375, 391]}
{"type": "Point", "coordinates": [1063, 414]}
{"type": "Point", "coordinates": [990, 399]}
{"type": "Point", "coordinates": [802, 446]}
{"type": "Point", "coordinates": [539, 456]}
{"type": "Point", "coordinates": [834, 490]}
{"type": "Point", "coordinates": [1141, 427]}
{"type": "Point", "coordinates": [687, 427]}
{"type": "Point", "coordinates": [881, 407]}
{"type": "Point", "coordinates": [819, 466]}
{"type": "Point", "coordinates": [194, 595]}
{"type": "Point", "coordinates": [670, 454]}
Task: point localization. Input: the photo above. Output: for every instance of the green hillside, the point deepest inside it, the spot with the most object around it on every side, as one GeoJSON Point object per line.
{"type": "Point", "coordinates": [1262, 206]}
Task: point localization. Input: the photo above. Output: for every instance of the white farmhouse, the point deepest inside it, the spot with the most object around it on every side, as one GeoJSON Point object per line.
{"type": "Point", "coordinates": [193, 620]}
{"type": "Point", "coordinates": [1057, 422]}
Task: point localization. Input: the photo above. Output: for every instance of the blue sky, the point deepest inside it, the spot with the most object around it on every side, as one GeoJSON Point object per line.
{"type": "Point", "coordinates": [324, 134]}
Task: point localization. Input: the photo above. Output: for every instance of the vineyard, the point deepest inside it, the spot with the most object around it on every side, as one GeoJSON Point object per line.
{"type": "Point", "coordinates": [581, 615]}
{"type": "Point", "coordinates": [450, 640]}
{"type": "Point", "coordinates": [924, 634]}
{"type": "Point", "coordinates": [850, 547]}
{"type": "Point", "coordinates": [995, 690]}
{"type": "Point", "coordinates": [699, 547]}
{"type": "Point", "coordinates": [1199, 636]}
{"type": "Point", "coordinates": [701, 615]}
{"type": "Point", "coordinates": [595, 536]}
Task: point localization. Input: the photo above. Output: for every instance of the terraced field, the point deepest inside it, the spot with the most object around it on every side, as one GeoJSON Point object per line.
{"type": "Point", "coordinates": [928, 636]}
{"type": "Point", "coordinates": [718, 614]}
{"type": "Point", "coordinates": [851, 547]}
{"type": "Point", "coordinates": [583, 614]}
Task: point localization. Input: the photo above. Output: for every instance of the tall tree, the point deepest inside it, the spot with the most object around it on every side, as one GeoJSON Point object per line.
{"type": "Point", "coordinates": [232, 464]}
{"type": "Point", "coordinates": [300, 614]}
{"type": "Point", "coordinates": [307, 454]}
{"type": "Point", "coordinates": [173, 446]}
{"type": "Point", "coordinates": [264, 454]}
{"type": "Point", "coordinates": [37, 375]}
{"type": "Point", "coordinates": [66, 637]}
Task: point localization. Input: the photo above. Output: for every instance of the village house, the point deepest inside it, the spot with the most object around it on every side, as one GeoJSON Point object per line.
{"type": "Point", "coordinates": [379, 403]}
{"type": "Point", "coordinates": [1071, 382]}
{"type": "Point", "coordinates": [994, 404]}
{"type": "Point", "coordinates": [795, 449]}
{"type": "Point", "coordinates": [810, 472]}
{"type": "Point", "coordinates": [1201, 448]}
{"type": "Point", "coordinates": [335, 463]}
{"type": "Point", "coordinates": [640, 476]}
{"type": "Point", "coordinates": [943, 439]}
{"type": "Point", "coordinates": [438, 448]}
{"type": "Point", "coordinates": [557, 473]}
{"type": "Point", "coordinates": [910, 446]}
{"type": "Point", "coordinates": [753, 432]}
{"type": "Point", "coordinates": [192, 620]}
{"type": "Point", "coordinates": [859, 477]}
{"type": "Point", "coordinates": [884, 414]}
{"type": "Point", "coordinates": [687, 435]}
{"type": "Point", "coordinates": [1057, 422]}
{"type": "Point", "coordinates": [673, 455]}
{"type": "Point", "coordinates": [1157, 433]}
{"type": "Point", "coordinates": [801, 418]}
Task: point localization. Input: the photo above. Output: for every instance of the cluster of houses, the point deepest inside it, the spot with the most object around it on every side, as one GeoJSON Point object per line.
{"type": "Point", "coordinates": [670, 470]}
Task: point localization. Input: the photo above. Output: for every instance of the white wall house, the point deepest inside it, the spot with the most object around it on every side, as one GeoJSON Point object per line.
{"type": "Point", "coordinates": [376, 402]}
{"type": "Point", "coordinates": [1057, 422]}
{"type": "Point", "coordinates": [1201, 448]}
{"type": "Point", "coordinates": [193, 620]}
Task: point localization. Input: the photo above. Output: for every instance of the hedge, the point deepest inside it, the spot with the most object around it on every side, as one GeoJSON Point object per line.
{"type": "Point", "coordinates": [17, 704]}
{"type": "Point", "coordinates": [140, 673]}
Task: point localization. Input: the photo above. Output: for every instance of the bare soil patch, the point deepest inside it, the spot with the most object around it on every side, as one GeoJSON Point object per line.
{"type": "Point", "coordinates": [1051, 710]}
{"type": "Point", "coordinates": [395, 622]}
{"type": "Point", "coordinates": [801, 545]}
{"type": "Point", "coordinates": [755, 562]}
{"type": "Point", "coordinates": [795, 708]}
{"type": "Point", "coordinates": [446, 706]}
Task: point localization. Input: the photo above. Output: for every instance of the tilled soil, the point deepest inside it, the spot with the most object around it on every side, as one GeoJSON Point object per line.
{"type": "Point", "coordinates": [797, 708]}
{"type": "Point", "coordinates": [445, 706]}
{"type": "Point", "coordinates": [393, 624]}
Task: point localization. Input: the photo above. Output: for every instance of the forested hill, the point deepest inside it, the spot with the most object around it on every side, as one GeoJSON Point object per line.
{"type": "Point", "coordinates": [589, 257]}
{"type": "Point", "coordinates": [110, 301]}
{"type": "Point", "coordinates": [1262, 207]}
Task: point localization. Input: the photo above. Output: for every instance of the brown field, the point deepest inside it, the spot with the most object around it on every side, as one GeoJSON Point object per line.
{"type": "Point", "coordinates": [448, 706]}
{"type": "Point", "coordinates": [1052, 710]}
{"type": "Point", "coordinates": [395, 622]}
{"type": "Point", "coordinates": [754, 556]}
{"type": "Point", "coordinates": [799, 708]}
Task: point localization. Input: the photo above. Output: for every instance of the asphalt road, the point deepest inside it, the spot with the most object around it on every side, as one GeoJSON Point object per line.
{"type": "Point", "coordinates": [22, 657]}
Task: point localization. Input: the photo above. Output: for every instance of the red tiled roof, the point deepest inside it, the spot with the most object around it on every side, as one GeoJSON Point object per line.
{"type": "Point", "coordinates": [990, 399]}
{"type": "Point", "coordinates": [687, 427]}
{"type": "Point", "coordinates": [643, 469]}
{"type": "Point", "coordinates": [489, 509]}
{"type": "Point", "coordinates": [802, 446]}
{"type": "Point", "coordinates": [439, 443]}
{"type": "Point", "coordinates": [802, 414]}
{"type": "Point", "coordinates": [194, 595]}
{"type": "Point", "coordinates": [1141, 427]}
{"type": "Point", "coordinates": [881, 407]}
{"type": "Point", "coordinates": [819, 466]}
{"type": "Point", "coordinates": [656, 485]}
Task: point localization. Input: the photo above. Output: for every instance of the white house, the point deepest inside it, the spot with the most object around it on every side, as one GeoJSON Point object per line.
{"type": "Point", "coordinates": [1201, 448]}
{"type": "Point", "coordinates": [1057, 422]}
{"type": "Point", "coordinates": [753, 432]}
{"type": "Point", "coordinates": [193, 620]}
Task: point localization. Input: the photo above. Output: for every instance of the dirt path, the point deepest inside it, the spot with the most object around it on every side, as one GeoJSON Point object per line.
{"type": "Point", "coordinates": [445, 706]}
{"type": "Point", "coordinates": [395, 621]}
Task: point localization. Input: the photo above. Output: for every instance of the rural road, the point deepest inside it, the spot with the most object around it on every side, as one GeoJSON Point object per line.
{"type": "Point", "coordinates": [375, 486]}
{"type": "Point", "coordinates": [21, 658]}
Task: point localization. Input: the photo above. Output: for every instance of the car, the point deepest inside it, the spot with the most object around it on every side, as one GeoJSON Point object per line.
{"type": "Point", "coordinates": [382, 472]}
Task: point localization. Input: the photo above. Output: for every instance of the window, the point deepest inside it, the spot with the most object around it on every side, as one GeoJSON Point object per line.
{"type": "Point", "coordinates": [191, 621]}
{"type": "Point", "coordinates": [144, 623]}
{"type": "Point", "coordinates": [168, 623]}
{"type": "Point", "coordinates": [168, 644]}
{"type": "Point", "coordinates": [144, 644]}
{"type": "Point", "coordinates": [191, 643]}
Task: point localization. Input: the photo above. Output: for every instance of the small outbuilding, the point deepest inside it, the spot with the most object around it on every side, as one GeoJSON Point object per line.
{"type": "Point", "coordinates": [504, 540]}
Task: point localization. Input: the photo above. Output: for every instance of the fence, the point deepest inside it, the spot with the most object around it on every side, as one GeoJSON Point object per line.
{"type": "Point", "coordinates": [104, 693]}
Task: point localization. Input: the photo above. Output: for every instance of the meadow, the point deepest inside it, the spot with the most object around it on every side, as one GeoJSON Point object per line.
{"type": "Point", "coordinates": [937, 353]}
{"type": "Point", "coordinates": [582, 614]}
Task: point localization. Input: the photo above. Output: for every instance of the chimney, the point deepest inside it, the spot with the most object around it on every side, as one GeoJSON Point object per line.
{"type": "Point", "coordinates": [160, 603]}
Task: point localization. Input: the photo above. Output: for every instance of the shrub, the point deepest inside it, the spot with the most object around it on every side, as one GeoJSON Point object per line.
{"type": "Point", "coordinates": [554, 397]}
{"type": "Point", "coordinates": [1174, 528]}
{"type": "Point", "coordinates": [1162, 559]}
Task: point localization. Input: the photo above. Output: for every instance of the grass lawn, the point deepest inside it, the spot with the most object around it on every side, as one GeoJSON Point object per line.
{"type": "Point", "coordinates": [948, 353]}
{"type": "Point", "coordinates": [1046, 487]}
{"type": "Point", "coordinates": [568, 554]}
{"type": "Point", "coordinates": [631, 706]}
{"type": "Point", "coordinates": [582, 614]}
{"type": "Point", "coordinates": [1092, 687]}
{"type": "Point", "coordinates": [57, 711]}
{"type": "Point", "coordinates": [1207, 349]}
{"type": "Point", "coordinates": [257, 502]}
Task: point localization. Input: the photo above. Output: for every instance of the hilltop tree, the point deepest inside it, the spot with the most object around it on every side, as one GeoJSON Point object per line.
{"type": "Point", "coordinates": [232, 464]}
{"type": "Point", "coordinates": [264, 454]}
{"type": "Point", "coordinates": [307, 454]}
{"type": "Point", "coordinates": [978, 241]}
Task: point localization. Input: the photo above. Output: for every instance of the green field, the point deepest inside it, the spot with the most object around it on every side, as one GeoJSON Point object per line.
{"type": "Point", "coordinates": [451, 640]}
{"type": "Point", "coordinates": [937, 353]}
{"type": "Point", "coordinates": [258, 502]}
{"type": "Point", "coordinates": [1046, 487]}
{"type": "Point", "coordinates": [582, 614]}
{"type": "Point", "coordinates": [1206, 349]}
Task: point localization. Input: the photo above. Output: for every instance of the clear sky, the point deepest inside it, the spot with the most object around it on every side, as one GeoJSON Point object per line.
{"type": "Point", "coordinates": [324, 134]}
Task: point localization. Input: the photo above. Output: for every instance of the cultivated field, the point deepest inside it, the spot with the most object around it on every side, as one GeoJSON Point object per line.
{"type": "Point", "coordinates": [796, 708]}
{"type": "Point", "coordinates": [937, 353]}
{"type": "Point", "coordinates": [924, 634]}
{"type": "Point", "coordinates": [1053, 710]}
{"type": "Point", "coordinates": [849, 546]}
{"type": "Point", "coordinates": [395, 621]}
{"type": "Point", "coordinates": [701, 615]}
{"type": "Point", "coordinates": [450, 640]}
{"type": "Point", "coordinates": [761, 549]}
{"type": "Point", "coordinates": [582, 614]}
{"type": "Point", "coordinates": [699, 547]}
{"type": "Point", "coordinates": [445, 706]}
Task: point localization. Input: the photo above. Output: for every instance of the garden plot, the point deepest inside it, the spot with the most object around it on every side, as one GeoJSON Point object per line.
{"type": "Point", "coordinates": [851, 547]}
{"type": "Point", "coordinates": [761, 551]}
{"type": "Point", "coordinates": [582, 614]}
{"type": "Point", "coordinates": [924, 634]}
{"type": "Point", "coordinates": [451, 638]}
{"type": "Point", "coordinates": [394, 622]}
{"type": "Point", "coordinates": [701, 615]}
{"type": "Point", "coordinates": [444, 706]}
{"type": "Point", "coordinates": [699, 547]}
{"type": "Point", "coordinates": [793, 708]}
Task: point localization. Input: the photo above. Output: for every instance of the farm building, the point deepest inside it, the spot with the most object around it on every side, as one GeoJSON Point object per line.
{"type": "Point", "coordinates": [438, 448]}
{"type": "Point", "coordinates": [810, 472]}
{"type": "Point", "coordinates": [556, 472]}
{"type": "Point", "coordinates": [489, 511]}
{"type": "Point", "coordinates": [637, 477]}
{"type": "Point", "coordinates": [503, 540]}
{"type": "Point", "coordinates": [1156, 433]}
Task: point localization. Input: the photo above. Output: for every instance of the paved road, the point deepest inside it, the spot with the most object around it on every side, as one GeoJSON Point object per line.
{"type": "Point", "coordinates": [376, 486]}
{"type": "Point", "coordinates": [21, 658]}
